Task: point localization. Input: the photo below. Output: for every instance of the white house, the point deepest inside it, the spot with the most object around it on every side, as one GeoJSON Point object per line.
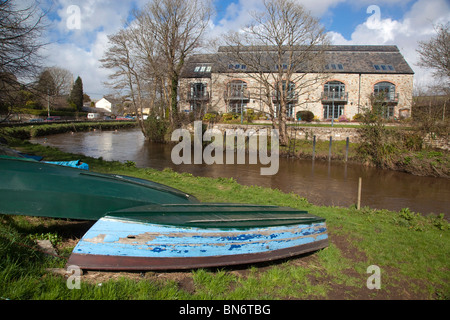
{"type": "Point", "coordinates": [104, 104]}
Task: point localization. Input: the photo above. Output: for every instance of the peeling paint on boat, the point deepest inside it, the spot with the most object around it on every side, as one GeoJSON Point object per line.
{"type": "Point", "coordinates": [115, 237]}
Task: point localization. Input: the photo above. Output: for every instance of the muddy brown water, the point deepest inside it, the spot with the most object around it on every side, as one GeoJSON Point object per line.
{"type": "Point", "coordinates": [321, 182]}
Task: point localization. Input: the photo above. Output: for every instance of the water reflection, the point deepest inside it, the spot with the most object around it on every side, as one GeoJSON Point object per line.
{"type": "Point", "coordinates": [321, 182]}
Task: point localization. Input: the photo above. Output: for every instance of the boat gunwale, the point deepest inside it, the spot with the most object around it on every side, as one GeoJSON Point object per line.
{"type": "Point", "coordinates": [123, 263]}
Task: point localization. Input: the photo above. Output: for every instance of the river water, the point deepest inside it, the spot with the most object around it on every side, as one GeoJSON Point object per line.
{"type": "Point", "coordinates": [321, 182]}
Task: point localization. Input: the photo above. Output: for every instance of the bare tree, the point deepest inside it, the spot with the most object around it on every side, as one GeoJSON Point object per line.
{"type": "Point", "coordinates": [435, 53]}
{"type": "Point", "coordinates": [283, 50]}
{"type": "Point", "coordinates": [63, 80]}
{"type": "Point", "coordinates": [177, 26]}
{"type": "Point", "coordinates": [21, 29]}
{"type": "Point", "coordinates": [150, 52]}
{"type": "Point", "coordinates": [121, 57]}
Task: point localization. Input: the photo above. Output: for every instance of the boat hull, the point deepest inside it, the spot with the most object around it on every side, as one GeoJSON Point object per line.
{"type": "Point", "coordinates": [116, 243]}
{"type": "Point", "coordinates": [129, 263]}
{"type": "Point", "coordinates": [33, 188]}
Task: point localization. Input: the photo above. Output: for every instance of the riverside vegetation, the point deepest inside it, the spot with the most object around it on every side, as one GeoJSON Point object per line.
{"type": "Point", "coordinates": [411, 251]}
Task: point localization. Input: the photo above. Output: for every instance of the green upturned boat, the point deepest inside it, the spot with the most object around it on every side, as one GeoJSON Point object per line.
{"type": "Point", "coordinates": [33, 188]}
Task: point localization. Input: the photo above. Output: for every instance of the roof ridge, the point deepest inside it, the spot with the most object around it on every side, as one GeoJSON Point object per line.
{"type": "Point", "coordinates": [346, 48]}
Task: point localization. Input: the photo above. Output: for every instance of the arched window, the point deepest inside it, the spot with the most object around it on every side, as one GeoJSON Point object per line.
{"type": "Point", "coordinates": [236, 88]}
{"type": "Point", "coordinates": [334, 89]}
{"type": "Point", "coordinates": [389, 97]}
{"type": "Point", "coordinates": [386, 88]}
{"type": "Point", "coordinates": [334, 99]}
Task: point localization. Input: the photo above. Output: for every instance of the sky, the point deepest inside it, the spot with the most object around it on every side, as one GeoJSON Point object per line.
{"type": "Point", "coordinates": [78, 29]}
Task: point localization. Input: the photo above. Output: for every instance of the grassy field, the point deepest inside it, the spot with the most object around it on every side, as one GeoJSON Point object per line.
{"type": "Point", "coordinates": [411, 251]}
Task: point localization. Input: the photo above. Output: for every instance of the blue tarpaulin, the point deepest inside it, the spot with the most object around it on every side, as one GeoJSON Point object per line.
{"type": "Point", "coordinates": [74, 164]}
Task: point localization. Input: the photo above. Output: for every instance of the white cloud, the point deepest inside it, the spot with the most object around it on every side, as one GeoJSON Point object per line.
{"type": "Point", "coordinates": [416, 25]}
{"type": "Point", "coordinates": [80, 50]}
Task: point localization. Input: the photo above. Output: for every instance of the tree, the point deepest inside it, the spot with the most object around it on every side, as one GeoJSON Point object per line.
{"type": "Point", "coordinates": [76, 95]}
{"type": "Point", "coordinates": [177, 26]}
{"type": "Point", "coordinates": [46, 85]}
{"type": "Point", "coordinates": [435, 53]}
{"type": "Point", "coordinates": [62, 79]}
{"type": "Point", "coordinates": [283, 46]}
{"type": "Point", "coordinates": [148, 55]}
{"type": "Point", "coordinates": [122, 57]}
{"type": "Point", "coordinates": [20, 31]}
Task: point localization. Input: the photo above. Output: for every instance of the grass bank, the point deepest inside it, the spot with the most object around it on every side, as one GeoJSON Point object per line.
{"type": "Point", "coordinates": [39, 130]}
{"type": "Point", "coordinates": [411, 251]}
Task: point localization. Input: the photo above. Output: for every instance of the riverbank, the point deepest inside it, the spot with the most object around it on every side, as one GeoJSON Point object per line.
{"type": "Point", "coordinates": [30, 131]}
{"type": "Point", "coordinates": [426, 162]}
{"type": "Point", "coordinates": [411, 251]}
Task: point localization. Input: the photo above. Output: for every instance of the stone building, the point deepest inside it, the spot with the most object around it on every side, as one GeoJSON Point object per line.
{"type": "Point", "coordinates": [349, 77]}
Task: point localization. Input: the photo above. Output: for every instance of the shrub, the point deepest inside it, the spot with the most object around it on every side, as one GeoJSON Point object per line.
{"type": "Point", "coordinates": [358, 117]}
{"type": "Point", "coordinates": [305, 115]}
{"type": "Point", "coordinates": [343, 119]}
{"type": "Point", "coordinates": [250, 115]}
{"type": "Point", "coordinates": [211, 117]}
{"type": "Point", "coordinates": [230, 116]}
{"type": "Point", "coordinates": [156, 128]}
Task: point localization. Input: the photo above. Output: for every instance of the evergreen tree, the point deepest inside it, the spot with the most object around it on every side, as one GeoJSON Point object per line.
{"type": "Point", "coordinates": [76, 95]}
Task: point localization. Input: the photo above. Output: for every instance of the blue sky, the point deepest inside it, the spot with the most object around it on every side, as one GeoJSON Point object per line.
{"type": "Point", "coordinates": [399, 22]}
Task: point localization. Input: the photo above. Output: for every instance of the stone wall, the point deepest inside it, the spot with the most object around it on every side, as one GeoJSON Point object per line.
{"type": "Point", "coordinates": [321, 133]}
{"type": "Point", "coordinates": [437, 142]}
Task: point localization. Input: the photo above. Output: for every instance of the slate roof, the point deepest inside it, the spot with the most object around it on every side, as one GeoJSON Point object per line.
{"type": "Point", "coordinates": [364, 59]}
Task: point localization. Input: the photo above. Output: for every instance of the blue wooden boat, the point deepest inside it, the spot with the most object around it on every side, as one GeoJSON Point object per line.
{"type": "Point", "coordinates": [143, 225]}
{"type": "Point", "coordinates": [187, 236]}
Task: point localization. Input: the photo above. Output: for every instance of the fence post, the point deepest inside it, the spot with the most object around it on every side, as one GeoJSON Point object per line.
{"type": "Point", "coordinates": [314, 148]}
{"type": "Point", "coordinates": [346, 149]}
{"type": "Point", "coordinates": [358, 205]}
{"type": "Point", "coordinates": [329, 148]}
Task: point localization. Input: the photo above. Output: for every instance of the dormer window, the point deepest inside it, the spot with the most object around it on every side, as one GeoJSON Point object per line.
{"type": "Point", "coordinates": [383, 67]}
{"type": "Point", "coordinates": [202, 68]}
{"type": "Point", "coordinates": [334, 66]}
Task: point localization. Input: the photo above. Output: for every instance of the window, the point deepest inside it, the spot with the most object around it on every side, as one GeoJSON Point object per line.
{"type": "Point", "coordinates": [386, 88]}
{"type": "Point", "coordinates": [334, 66]}
{"type": "Point", "coordinates": [290, 108]}
{"type": "Point", "coordinates": [289, 91]}
{"type": "Point", "coordinates": [283, 66]}
{"type": "Point", "coordinates": [329, 110]}
{"type": "Point", "coordinates": [383, 67]}
{"type": "Point", "coordinates": [198, 90]}
{"type": "Point", "coordinates": [237, 106]}
{"type": "Point", "coordinates": [243, 67]}
{"type": "Point", "coordinates": [334, 89]}
{"type": "Point", "coordinates": [202, 69]}
{"type": "Point", "coordinates": [237, 88]}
